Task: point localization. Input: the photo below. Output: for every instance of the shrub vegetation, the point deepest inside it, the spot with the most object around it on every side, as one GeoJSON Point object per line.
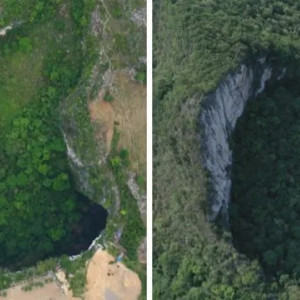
{"type": "Point", "coordinates": [195, 44]}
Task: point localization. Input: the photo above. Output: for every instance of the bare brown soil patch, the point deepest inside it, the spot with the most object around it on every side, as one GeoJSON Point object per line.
{"type": "Point", "coordinates": [103, 115]}
{"type": "Point", "coordinates": [50, 291]}
{"type": "Point", "coordinates": [128, 110]}
{"type": "Point", "coordinates": [106, 280]}
{"type": "Point", "coordinates": [109, 280]}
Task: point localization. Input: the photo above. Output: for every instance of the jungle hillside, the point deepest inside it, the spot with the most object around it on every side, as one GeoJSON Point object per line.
{"type": "Point", "coordinates": [72, 163]}
{"type": "Point", "coordinates": [196, 44]}
{"type": "Point", "coordinates": [41, 62]}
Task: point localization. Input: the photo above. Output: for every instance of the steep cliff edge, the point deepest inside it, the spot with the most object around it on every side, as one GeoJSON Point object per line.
{"type": "Point", "coordinates": [218, 118]}
{"type": "Point", "coordinates": [198, 51]}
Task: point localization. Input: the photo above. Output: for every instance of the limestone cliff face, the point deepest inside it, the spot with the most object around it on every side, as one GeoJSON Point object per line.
{"type": "Point", "coordinates": [218, 117]}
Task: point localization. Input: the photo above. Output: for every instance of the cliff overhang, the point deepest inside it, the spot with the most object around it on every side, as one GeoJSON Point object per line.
{"type": "Point", "coordinates": [219, 114]}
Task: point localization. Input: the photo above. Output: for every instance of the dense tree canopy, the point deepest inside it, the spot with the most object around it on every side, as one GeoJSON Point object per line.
{"type": "Point", "coordinates": [38, 206]}
{"type": "Point", "coordinates": [196, 43]}
{"type": "Point", "coordinates": [265, 210]}
{"type": "Point", "coordinates": [40, 211]}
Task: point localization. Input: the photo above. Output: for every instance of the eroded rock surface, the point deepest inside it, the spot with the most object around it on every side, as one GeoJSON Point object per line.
{"type": "Point", "coordinates": [218, 117]}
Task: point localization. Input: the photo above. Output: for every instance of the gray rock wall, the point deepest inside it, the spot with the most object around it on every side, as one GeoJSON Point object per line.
{"type": "Point", "coordinates": [220, 112]}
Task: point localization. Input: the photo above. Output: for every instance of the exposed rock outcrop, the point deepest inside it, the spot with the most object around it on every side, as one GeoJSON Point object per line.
{"type": "Point", "coordinates": [4, 30]}
{"type": "Point", "coordinates": [220, 112]}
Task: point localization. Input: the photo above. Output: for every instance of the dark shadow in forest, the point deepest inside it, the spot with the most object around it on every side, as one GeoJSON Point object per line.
{"type": "Point", "coordinates": [93, 221]}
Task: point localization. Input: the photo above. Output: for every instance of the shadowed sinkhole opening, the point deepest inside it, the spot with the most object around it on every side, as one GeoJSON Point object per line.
{"type": "Point", "coordinates": [92, 222]}
{"type": "Point", "coordinates": [89, 219]}
{"type": "Point", "coordinates": [264, 212]}
{"type": "Point", "coordinates": [41, 213]}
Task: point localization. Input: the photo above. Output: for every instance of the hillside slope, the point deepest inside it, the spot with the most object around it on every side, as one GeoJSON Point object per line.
{"type": "Point", "coordinates": [65, 168]}
{"type": "Point", "coordinates": [196, 44]}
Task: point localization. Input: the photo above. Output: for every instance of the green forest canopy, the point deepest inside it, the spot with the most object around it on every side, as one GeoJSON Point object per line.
{"type": "Point", "coordinates": [265, 209]}
{"type": "Point", "coordinates": [195, 44]}
{"type": "Point", "coordinates": [38, 202]}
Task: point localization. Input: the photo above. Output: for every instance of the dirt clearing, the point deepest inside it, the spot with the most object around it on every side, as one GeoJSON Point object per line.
{"type": "Point", "coordinates": [106, 280]}
{"type": "Point", "coordinates": [103, 114]}
{"type": "Point", "coordinates": [50, 291]}
{"type": "Point", "coordinates": [111, 281]}
{"type": "Point", "coordinates": [127, 111]}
